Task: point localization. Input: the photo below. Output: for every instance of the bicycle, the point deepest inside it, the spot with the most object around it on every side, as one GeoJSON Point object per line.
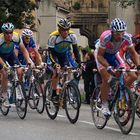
{"type": "Point", "coordinates": [68, 98]}
{"type": "Point", "coordinates": [15, 89]}
{"type": "Point", "coordinates": [121, 103]}
{"type": "Point", "coordinates": [35, 93]}
{"type": "Point", "coordinates": [135, 90]}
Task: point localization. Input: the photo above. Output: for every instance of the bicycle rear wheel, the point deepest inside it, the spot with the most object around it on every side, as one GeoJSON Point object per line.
{"type": "Point", "coordinates": [95, 103]}
{"type": "Point", "coordinates": [125, 111]}
{"type": "Point", "coordinates": [21, 104]}
{"type": "Point", "coordinates": [138, 106]}
{"type": "Point", "coordinates": [51, 108]}
{"type": "Point", "coordinates": [71, 101]}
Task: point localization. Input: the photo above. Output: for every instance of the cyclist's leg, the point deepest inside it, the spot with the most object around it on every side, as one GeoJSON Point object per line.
{"type": "Point", "coordinates": [130, 78]}
{"type": "Point", "coordinates": [4, 85]}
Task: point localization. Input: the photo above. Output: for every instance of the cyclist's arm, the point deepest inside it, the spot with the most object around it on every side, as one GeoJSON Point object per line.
{"type": "Point", "coordinates": [25, 53]}
{"type": "Point", "coordinates": [100, 57]}
{"type": "Point", "coordinates": [76, 53]}
{"type": "Point", "coordinates": [38, 58]}
{"type": "Point", "coordinates": [51, 55]}
{"type": "Point", "coordinates": [134, 55]}
{"type": "Point", "coordinates": [51, 44]}
{"type": "Point", "coordinates": [1, 61]}
{"type": "Point", "coordinates": [16, 51]}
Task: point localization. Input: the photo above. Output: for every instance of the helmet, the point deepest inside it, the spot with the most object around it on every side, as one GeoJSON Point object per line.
{"type": "Point", "coordinates": [27, 32]}
{"type": "Point", "coordinates": [7, 27]}
{"type": "Point", "coordinates": [118, 25]}
{"type": "Point", "coordinates": [64, 23]}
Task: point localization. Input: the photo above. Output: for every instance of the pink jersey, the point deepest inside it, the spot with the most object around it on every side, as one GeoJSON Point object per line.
{"type": "Point", "coordinates": [111, 46]}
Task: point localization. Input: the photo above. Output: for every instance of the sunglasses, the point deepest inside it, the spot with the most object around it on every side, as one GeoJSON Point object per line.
{"type": "Point", "coordinates": [119, 33]}
{"type": "Point", "coordinates": [27, 38]}
{"type": "Point", "coordinates": [8, 32]}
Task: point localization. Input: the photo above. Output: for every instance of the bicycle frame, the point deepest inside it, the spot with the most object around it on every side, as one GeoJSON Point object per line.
{"type": "Point", "coordinates": [120, 86]}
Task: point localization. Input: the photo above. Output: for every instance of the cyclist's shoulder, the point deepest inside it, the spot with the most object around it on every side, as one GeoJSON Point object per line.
{"type": "Point", "coordinates": [55, 33]}
{"type": "Point", "coordinates": [127, 36]}
{"type": "Point", "coordinates": [1, 38]}
{"type": "Point", "coordinates": [106, 35]}
{"type": "Point", "coordinates": [16, 37]}
{"type": "Point", "coordinates": [71, 32]}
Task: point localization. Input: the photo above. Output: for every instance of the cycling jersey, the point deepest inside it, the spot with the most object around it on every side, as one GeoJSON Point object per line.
{"type": "Point", "coordinates": [7, 48]}
{"type": "Point", "coordinates": [60, 44]}
{"type": "Point", "coordinates": [112, 48]}
{"type": "Point", "coordinates": [29, 48]}
{"type": "Point", "coordinates": [60, 48]}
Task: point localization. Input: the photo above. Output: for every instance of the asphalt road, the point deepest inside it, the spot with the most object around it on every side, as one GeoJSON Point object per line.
{"type": "Point", "coordinates": [41, 127]}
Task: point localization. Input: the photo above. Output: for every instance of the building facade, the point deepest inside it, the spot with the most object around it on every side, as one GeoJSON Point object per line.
{"type": "Point", "coordinates": [131, 16]}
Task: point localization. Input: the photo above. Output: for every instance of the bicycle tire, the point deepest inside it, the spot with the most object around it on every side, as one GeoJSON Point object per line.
{"type": "Point", "coordinates": [40, 101]}
{"type": "Point", "coordinates": [78, 92]}
{"type": "Point", "coordinates": [71, 98]}
{"type": "Point", "coordinates": [138, 106]}
{"type": "Point", "coordinates": [51, 108]}
{"type": "Point", "coordinates": [129, 108]}
{"type": "Point", "coordinates": [31, 98]}
{"type": "Point", "coordinates": [4, 110]}
{"type": "Point", "coordinates": [21, 104]}
{"type": "Point", "coordinates": [98, 118]}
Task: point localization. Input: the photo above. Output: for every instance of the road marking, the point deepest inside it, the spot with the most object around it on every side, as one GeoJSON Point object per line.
{"type": "Point", "coordinates": [107, 127]}
{"type": "Point", "coordinates": [111, 128]}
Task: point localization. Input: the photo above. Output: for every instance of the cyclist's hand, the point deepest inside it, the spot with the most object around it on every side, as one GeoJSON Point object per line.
{"type": "Point", "coordinates": [110, 70]}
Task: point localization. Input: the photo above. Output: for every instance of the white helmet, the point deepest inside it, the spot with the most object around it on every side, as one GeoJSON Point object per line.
{"type": "Point", "coordinates": [27, 32]}
{"type": "Point", "coordinates": [7, 26]}
{"type": "Point", "coordinates": [118, 25]}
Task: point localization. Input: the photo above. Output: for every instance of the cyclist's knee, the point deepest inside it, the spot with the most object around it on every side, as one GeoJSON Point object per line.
{"type": "Point", "coordinates": [104, 75]}
{"type": "Point", "coordinates": [133, 76]}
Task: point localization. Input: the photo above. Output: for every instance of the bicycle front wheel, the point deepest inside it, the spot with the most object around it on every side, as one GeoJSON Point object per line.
{"type": "Point", "coordinates": [21, 103]}
{"type": "Point", "coordinates": [125, 111]}
{"type": "Point", "coordinates": [40, 99]}
{"type": "Point", "coordinates": [95, 103]}
{"type": "Point", "coordinates": [4, 110]}
{"type": "Point", "coordinates": [51, 108]}
{"type": "Point", "coordinates": [72, 104]}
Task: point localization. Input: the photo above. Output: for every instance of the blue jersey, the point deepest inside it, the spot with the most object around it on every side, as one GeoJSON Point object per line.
{"type": "Point", "coordinates": [29, 48]}
{"type": "Point", "coordinates": [7, 48]}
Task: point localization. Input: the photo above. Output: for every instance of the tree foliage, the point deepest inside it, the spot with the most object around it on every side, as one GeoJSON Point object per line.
{"type": "Point", "coordinates": [126, 3]}
{"type": "Point", "coordinates": [19, 12]}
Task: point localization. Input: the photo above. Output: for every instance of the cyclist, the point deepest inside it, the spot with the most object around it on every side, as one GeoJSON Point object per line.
{"type": "Point", "coordinates": [8, 39]}
{"type": "Point", "coordinates": [60, 44]}
{"type": "Point", "coordinates": [136, 40]}
{"type": "Point", "coordinates": [30, 45]}
{"type": "Point", "coordinates": [108, 57]}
